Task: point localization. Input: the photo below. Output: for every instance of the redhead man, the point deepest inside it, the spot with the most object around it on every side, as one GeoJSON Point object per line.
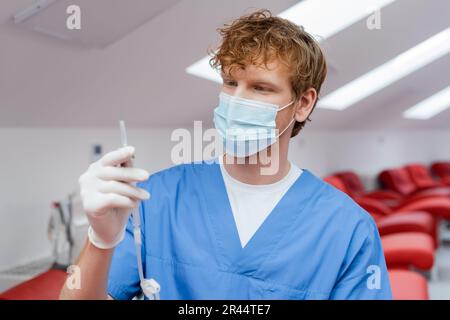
{"type": "Point", "coordinates": [228, 229]}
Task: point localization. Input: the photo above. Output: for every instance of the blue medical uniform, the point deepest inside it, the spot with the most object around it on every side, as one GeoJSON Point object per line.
{"type": "Point", "coordinates": [315, 244]}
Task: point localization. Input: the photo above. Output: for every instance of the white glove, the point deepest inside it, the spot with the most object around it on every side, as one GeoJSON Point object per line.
{"type": "Point", "coordinates": [108, 196]}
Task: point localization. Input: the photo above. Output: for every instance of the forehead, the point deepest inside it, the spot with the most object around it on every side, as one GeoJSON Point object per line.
{"type": "Point", "coordinates": [273, 71]}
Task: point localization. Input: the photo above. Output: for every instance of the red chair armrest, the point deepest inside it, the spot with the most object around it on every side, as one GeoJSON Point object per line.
{"type": "Point", "coordinates": [402, 250]}
{"type": "Point", "coordinates": [419, 221]}
{"type": "Point", "coordinates": [438, 206]}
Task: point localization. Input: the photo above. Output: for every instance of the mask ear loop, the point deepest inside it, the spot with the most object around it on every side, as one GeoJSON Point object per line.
{"type": "Point", "coordinates": [284, 107]}
{"type": "Point", "coordinates": [285, 128]}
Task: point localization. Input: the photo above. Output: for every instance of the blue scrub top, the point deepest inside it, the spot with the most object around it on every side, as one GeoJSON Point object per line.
{"type": "Point", "coordinates": [317, 243]}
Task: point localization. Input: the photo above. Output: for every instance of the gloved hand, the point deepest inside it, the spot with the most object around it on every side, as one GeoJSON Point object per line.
{"type": "Point", "coordinates": [108, 196]}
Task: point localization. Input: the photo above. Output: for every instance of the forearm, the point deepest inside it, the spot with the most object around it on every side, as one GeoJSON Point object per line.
{"type": "Point", "coordinates": [93, 264]}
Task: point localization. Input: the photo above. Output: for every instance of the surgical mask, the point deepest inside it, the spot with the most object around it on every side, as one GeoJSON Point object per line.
{"type": "Point", "coordinates": [246, 126]}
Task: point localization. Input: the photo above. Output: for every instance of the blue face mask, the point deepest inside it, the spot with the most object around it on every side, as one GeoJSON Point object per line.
{"type": "Point", "coordinates": [246, 126]}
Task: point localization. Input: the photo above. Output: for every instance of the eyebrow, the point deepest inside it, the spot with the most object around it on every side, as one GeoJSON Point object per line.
{"type": "Point", "coordinates": [267, 83]}
{"type": "Point", "coordinates": [256, 80]}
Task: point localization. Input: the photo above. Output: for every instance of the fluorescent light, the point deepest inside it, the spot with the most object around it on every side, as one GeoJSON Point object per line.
{"type": "Point", "coordinates": [324, 18]}
{"type": "Point", "coordinates": [430, 107]}
{"type": "Point", "coordinates": [321, 18]}
{"type": "Point", "coordinates": [202, 69]}
{"type": "Point", "coordinates": [389, 72]}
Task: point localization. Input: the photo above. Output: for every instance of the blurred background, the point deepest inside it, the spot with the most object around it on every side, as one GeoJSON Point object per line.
{"type": "Point", "coordinates": [62, 93]}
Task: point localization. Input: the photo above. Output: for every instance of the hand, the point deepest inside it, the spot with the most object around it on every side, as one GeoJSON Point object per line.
{"type": "Point", "coordinates": [108, 196]}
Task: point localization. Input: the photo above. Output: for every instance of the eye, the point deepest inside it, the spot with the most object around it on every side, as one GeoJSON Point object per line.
{"type": "Point", "coordinates": [230, 83]}
{"type": "Point", "coordinates": [260, 88]}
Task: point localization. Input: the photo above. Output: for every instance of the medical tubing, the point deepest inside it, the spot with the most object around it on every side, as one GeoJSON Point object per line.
{"type": "Point", "coordinates": [137, 241]}
{"type": "Point", "coordinates": [136, 220]}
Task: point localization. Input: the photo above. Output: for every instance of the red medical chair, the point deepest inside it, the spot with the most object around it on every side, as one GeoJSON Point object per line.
{"type": "Point", "coordinates": [442, 171]}
{"type": "Point", "coordinates": [389, 221]}
{"type": "Point", "coordinates": [399, 180]}
{"type": "Point", "coordinates": [392, 198]}
{"type": "Point", "coordinates": [355, 188]}
{"type": "Point", "coordinates": [422, 178]}
{"type": "Point", "coordinates": [401, 199]}
{"type": "Point", "coordinates": [45, 286]}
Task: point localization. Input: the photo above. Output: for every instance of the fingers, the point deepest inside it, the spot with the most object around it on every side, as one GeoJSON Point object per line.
{"type": "Point", "coordinates": [122, 174]}
{"type": "Point", "coordinates": [114, 201]}
{"type": "Point", "coordinates": [97, 203]}
{"type": "Point", "coordinates": [117, 157]}
{"type": "Point", "coordinates": [124, 189]}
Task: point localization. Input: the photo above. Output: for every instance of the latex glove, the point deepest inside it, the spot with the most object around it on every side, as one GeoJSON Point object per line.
{"type": "Point", "coordinates": [108, 196]}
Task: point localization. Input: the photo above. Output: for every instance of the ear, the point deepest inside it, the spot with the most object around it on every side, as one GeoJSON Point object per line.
{"type": "Point", "coordinates": [305, 104]}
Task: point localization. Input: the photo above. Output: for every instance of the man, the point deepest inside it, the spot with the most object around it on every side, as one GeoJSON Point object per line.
{"type": "Point", "coordinates": [231, 230]}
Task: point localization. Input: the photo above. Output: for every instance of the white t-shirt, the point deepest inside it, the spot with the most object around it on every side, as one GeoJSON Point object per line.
{"type": "Point", "coordinates": [251, 204]}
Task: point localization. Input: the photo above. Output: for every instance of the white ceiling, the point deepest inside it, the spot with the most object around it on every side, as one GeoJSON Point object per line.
{"type": "Point", "coordinates": [141, 78]}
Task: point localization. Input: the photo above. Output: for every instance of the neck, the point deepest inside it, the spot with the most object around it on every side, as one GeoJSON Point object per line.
{"type": "Point", "coordinates": [266, 167]}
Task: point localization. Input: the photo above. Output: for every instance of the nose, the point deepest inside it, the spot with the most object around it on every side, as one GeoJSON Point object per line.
{"type": "Point", "coordinates": [241, 91]}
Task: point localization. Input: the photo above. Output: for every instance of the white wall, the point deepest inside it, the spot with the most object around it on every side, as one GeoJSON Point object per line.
{"type": "Point", "coordinates": [39, 166]}
{"type": "Point", "coordinates": [42, 165]}
{"type": "Point", "coordinates": [367, 153]}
